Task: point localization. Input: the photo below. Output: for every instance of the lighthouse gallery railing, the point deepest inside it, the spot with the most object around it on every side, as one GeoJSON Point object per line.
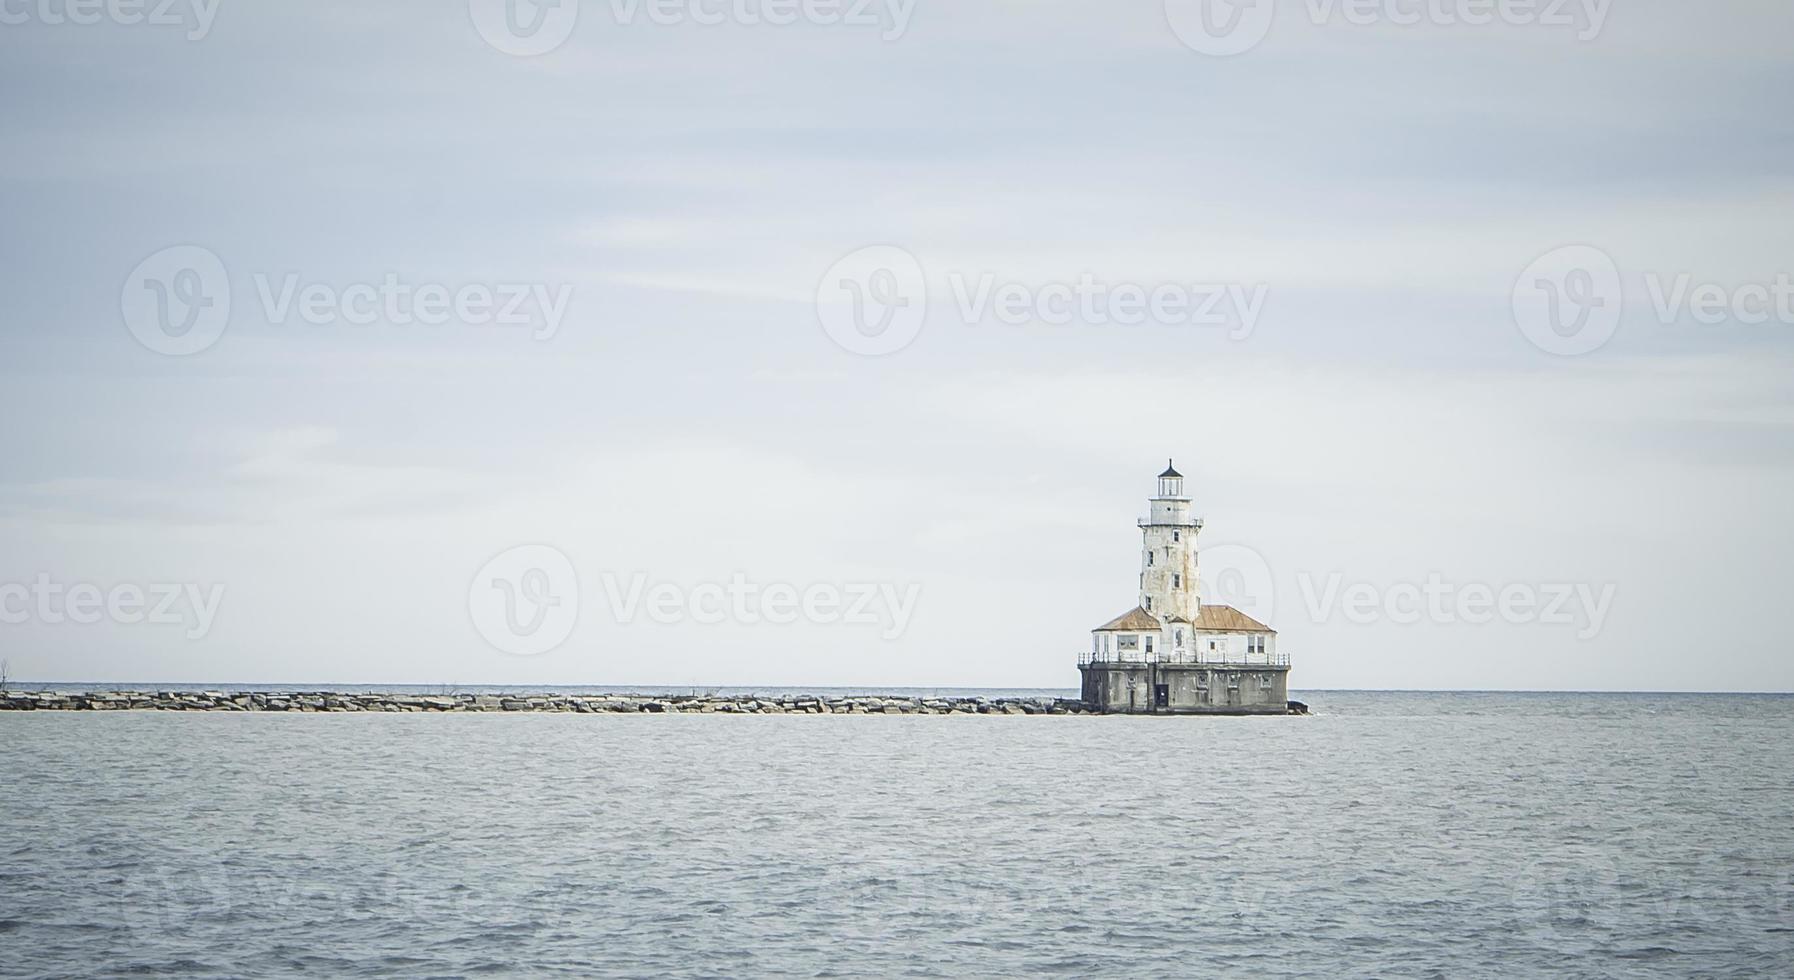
{"type": "Point", "coordinates": [1203, 658]}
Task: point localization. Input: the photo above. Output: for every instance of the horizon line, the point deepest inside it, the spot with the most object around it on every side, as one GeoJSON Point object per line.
{"type": "Point", "coordinates": [15, 685]}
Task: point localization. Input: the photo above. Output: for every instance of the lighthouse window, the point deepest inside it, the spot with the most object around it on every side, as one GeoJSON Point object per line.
{"type": "Point", "coordinates": [1149, 644]}
{"type": "Point", "coordinates": [1175, 536]}
{"type": "Point", "coordinates": [1177, 581]}
{"type": "Point", "coordinates": [1127, 643]}
{"type": "Point", "coordinates": [1255, 643]}
{"type": "Point", "coordinates": [1149, 559]}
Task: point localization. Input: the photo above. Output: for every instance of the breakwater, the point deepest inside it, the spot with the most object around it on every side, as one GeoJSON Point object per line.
{"type": "Point", "coordinates": [331, 701]}
{"type": "Point", "coordinates": [578, 703]}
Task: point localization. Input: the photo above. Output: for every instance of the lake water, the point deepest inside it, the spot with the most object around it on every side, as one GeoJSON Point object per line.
{"type": "Point", "coordinates": [1389, 834]}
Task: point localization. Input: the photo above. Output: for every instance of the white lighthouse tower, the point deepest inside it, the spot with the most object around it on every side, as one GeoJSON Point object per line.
{"type": "Point", "coordinates": [1168, 553]}
{"type": "Point", "coordinates": [1174, 654]}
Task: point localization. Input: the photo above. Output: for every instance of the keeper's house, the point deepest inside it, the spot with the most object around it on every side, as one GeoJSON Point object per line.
{"type": "Point", "coordinates": [1175, 654]}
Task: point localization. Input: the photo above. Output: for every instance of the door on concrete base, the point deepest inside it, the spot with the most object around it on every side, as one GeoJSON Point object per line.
{"type": "Point", "coordinates": [1161, 695]}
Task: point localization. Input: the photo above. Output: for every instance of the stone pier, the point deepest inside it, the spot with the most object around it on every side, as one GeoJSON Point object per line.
{"type": "Point", "coordinates": [743, 704]}
{"type": "Point", "coordinates": [331, 701]}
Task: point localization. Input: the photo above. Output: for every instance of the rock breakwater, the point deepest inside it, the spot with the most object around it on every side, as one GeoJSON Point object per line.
{"type": "Point", "coordinates": [579, 703]}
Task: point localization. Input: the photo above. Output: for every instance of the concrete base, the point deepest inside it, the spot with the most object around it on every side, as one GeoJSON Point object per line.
{"type": "Point", "coordinates": [1186, 689]}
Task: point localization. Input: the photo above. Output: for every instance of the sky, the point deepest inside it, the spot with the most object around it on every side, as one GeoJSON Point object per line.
{"type": "Point", "coordinates": [363, 343]}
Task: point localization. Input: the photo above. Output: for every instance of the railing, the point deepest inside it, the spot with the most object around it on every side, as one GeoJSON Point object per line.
{"type": "Point", "coordinates": [1202, 658]}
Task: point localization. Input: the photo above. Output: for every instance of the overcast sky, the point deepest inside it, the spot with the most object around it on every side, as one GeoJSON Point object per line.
{"type": "Point", "coordinates": [1386, 421]}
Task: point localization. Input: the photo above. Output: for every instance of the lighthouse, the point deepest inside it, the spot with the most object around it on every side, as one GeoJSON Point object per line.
{"type": "Point", "coordinates": [1168, 552]}
{"type": "Point", "coordinates": [1172, 653]}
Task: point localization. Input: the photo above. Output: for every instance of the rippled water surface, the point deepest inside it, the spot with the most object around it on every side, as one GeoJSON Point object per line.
{"type": "Point", "coordinates": [1390, 834]}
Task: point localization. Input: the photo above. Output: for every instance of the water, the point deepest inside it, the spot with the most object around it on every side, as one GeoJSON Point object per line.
{"type": "Point", "coordinates": [1390, 834]}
